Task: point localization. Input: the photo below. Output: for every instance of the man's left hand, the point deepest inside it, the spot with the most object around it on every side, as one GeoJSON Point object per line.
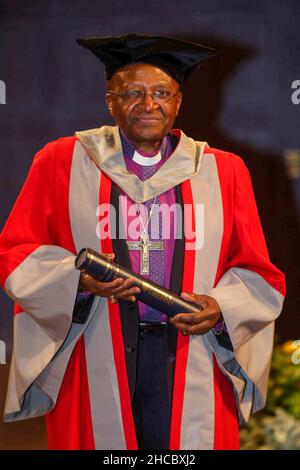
{"type": "Point", "coordinates": [197, 323]}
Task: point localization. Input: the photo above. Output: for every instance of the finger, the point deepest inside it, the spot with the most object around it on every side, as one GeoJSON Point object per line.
{"type": "Point", "coordinates": [127, 293]}
{"type": "Point", "coordinates": [106, 288]}
{"type": "Point", "coordinates": [85, 279]}
{"type": "Point", "coordinates": [200, 329]}
{"type": "Point", "coordinates": [195, 298]}
{"type": "Point", "coordinates": [113, 299]}
{"type": "Point", "coordinates": [104, 285]}
{"type": "Point", "coordinates": [183, 318]}
{"type": "Point", "coordinates": [88, 282]}
{"type": "Point", "coordinates": [209, 313]}
{"type": "Point", "coordinates": [126, 285]}
{"type": "Point", "coordinates": [109, 255]}
{"type": "Point", "coordinates": [189, 330]}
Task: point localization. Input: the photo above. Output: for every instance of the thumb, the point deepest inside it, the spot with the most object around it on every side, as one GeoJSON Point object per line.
{"type": "Point", "coordinates": [109, 256]}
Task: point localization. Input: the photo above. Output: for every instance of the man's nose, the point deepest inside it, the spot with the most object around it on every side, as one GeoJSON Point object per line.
{"type": "Point", "coordinates": [148, 102]}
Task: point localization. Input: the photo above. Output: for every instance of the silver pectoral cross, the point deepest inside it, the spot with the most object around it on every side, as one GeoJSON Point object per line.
{"type": "Point", "coordinates": [145, 245]}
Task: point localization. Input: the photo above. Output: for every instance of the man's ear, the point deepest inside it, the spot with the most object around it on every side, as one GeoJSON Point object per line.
{"type": "Point", "coordinates": [108, 102]}
{"type": "Point", "coordinates": [179, 101]}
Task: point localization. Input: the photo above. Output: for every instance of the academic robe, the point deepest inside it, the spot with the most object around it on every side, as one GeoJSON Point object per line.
{"type": "Point", "coordinates": [82, 375]}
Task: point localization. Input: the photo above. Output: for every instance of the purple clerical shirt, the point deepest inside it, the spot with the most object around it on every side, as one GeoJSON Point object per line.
{"type": "Point", "coordinates": [160, 262]}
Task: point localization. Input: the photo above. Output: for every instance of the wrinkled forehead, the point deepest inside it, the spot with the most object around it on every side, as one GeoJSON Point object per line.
{"type": "Point", "coordinates": [143, 74]}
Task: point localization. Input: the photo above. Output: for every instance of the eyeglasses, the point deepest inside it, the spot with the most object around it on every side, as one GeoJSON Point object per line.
{"type": "Point", "coordinates": [158, 96]}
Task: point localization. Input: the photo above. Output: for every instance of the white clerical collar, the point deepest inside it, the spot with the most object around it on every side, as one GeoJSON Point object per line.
{"type": "Point", "coordinates": [146, 161]}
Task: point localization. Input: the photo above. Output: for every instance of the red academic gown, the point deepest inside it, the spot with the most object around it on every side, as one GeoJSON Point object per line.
{"type": "Point", "coordinates": [41, 217]}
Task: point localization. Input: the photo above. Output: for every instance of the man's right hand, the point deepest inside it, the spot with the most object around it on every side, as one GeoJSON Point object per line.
{"type": "Point", "coordinates": [114, 290]}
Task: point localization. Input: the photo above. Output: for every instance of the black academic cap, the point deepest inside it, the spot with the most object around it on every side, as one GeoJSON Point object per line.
{"type": "Point", "coordinates": [176, 57]}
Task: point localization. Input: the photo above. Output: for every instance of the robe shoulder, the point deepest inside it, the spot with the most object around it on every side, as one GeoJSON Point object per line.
{"type": "Point", "coordinates": [227, 158]}
{"type": "Point", "coordinates": [231, 167]}
{"type": "Point", "coordinates": [60, 148]}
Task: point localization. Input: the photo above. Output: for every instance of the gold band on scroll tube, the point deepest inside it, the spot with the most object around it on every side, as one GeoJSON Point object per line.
{"type": "Point", "coordinates": [146, 287]}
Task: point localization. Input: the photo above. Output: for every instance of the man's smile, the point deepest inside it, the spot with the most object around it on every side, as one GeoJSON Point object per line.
{"type": "Point", "coordinates": [148, 119]}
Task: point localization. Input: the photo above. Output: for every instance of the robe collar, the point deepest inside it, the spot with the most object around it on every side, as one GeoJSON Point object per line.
{"type": "Point", "coordinates": [104, 147]}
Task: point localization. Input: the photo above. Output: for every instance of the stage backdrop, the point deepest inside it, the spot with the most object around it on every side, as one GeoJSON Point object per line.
{"type": "Point", "coordinates": [244, 101]}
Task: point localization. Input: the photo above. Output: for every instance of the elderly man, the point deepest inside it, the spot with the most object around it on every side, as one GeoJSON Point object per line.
{"type": "Point", "coordinates": [106, 369]}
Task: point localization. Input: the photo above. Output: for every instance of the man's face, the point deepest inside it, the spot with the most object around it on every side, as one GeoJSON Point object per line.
{"type": "Point", "coordinates": [143, 119]}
